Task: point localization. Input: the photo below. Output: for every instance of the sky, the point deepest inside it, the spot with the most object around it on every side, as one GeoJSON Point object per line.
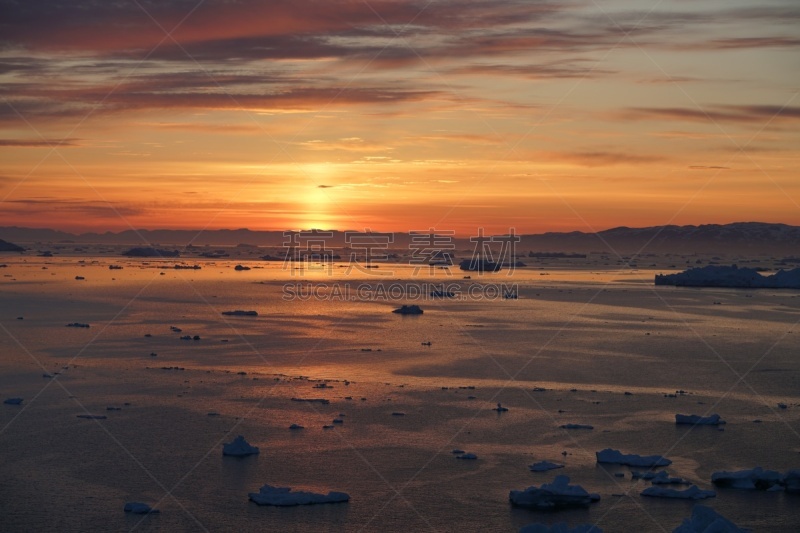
{"type": "Point", "coordinates": [395, 115]}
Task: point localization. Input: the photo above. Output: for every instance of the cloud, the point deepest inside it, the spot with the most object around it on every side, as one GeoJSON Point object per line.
{"type": "Point", "coordinates": [40, 143]}
{"type": "Point", "coordinates": [703, 167]}
{"type": "Point", "coordinates": [715, 113]}
{"type": "Point", "coordinates": [601, 158]}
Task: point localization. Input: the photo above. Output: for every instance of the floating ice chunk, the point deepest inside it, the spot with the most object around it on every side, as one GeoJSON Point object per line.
{"type": "Point", "coordinates": [296, 426]}
{"type": "Point", "coordinates": [239, 448]}
{"type": "Point", "coordinates": [77, 325]}
{"type": "Point", "coordinates": [500, 408]}
{"type": "Point", "coordinates": [544, 466]}
{"type": "Point", "coordinates": [618, 458]}
{"type": "Point", "coordinates": [697, 420]}
{"type": "Point", "coordinates": [757, 478]}
{"type": "Point", "coordinates": [139, 508]}
{"type": "Point", "coordinates": [457, 451]}
{"type": "Point", "coordinates": [555, 495]}
{"type": "Point", "coordinates": [791, 481]}
{"type": "Point", "coordinates": [93, 417]}
{"type": "Point", "coordinates": [468, 456]}
{"type": "Point", "coordinates": [240, 312]}
{"type": "Point", "coordinates": [283, 496]}
{"type": "Point", "coordinates": [561, 527]}
{"type": "Point", "coordinates": [706, 520]}
{"type": "Point", "coordinates": [12, 401]}
{"type": "Point", "coordinates": [662, 478]}
{"type": "Point", "coordinates": [409, 310]}
{"type": "Point", "coordinates": [692, 493]}
{"type": "Point", "coordinates": [576, 426]}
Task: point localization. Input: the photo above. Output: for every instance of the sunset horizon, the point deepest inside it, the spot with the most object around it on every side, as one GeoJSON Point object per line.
{"type": "Point", "coordinates": [398, 114]}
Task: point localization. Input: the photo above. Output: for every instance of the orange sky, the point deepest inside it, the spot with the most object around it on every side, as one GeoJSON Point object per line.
{"type": "Point", "coordinates": [398, 115]}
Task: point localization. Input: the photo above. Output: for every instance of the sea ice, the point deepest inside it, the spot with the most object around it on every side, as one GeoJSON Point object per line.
{"type": "Point", "coordinates": [283, 496]}
{"type": "Point", "coordinates": [616, 457]}
{"type": "Point", "coordinates": [561, 527]}
{"type": "Point", "coordinates": [13, 401]}
{"type": "Point", "coordinates": [139, 508]}
{"type": "Point", "coordinates": [791, 481]}
{"type": "Point", "coordinates": [662, 478]}
{"type": "Point", "coordinates": [692, 493]}
{"type": "Point", "coordinates": [469, 456]}
{"type": "Point", "coordinates": [544, 466]}
{"type": "Point", "coordinates": [706, 520]}
{"type": "Point", "coordinates": [697, 420]}
{"type": "Point", "coordinates": [555, 495]}
{"type": "Point", "coordinates": [239, 448]}
{"type": "Point", "coordinates": [757, 478]}
{"type": "Point", "coordinates": [576, 426]}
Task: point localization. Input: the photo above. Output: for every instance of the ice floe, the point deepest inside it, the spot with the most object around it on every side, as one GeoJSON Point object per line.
{"type": "Point", "coordinates": [555, 495]}
{"type": "Point", "coordinates": [283, 497]}
{"type": "Point", "coordinates": [139, 508]}
{"type": "Point", "coordinates": [706, 520]}
{"type": "Point", "coordinates": [12, 401]}
{"type": "Point", "coordinates": [692, 493]}
{"type": "Point", "coordinates": [576, 426]}
{"type": "Point", "coordinates": [697, 420]}
{"type": "Point", "coordinates": [610, 456]}
{"type": "Point", "coordinates": [544, 466]}
{"type": "Point", "coordinates": [754, 479]}
{"type": "Point", "coordinates": [239, 448]}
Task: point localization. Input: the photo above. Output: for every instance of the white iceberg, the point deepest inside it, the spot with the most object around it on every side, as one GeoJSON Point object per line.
{"type": "Point", "coordinates": [706, 520]}
{"type": "Point", "coordinates": [697, 420]}
{"type": "Point", "coordinates": [239, 448]}
{"type": "Point", "coordinates": [555, 495]}
{"type": "Point", "coordinates": [692, 493]}
{"type": "Point", "coordinates": [544, 466]}
{"type": "Point", "coordinates": [561, 527]}
{"type": "Point", "coordinates": [139, 508]}
{"type": "Point", "coordinates": [616, 457]}
{"type": "Point", "coordinates": [284, 497]}
{"type": "Point", "coordinates": [755, 479]}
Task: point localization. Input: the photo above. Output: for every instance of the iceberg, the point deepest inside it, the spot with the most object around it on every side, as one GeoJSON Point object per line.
{"type": "Point", "coordinates": [576, 426]}
{"type": "Point", "coordinates": [556, 495]}
{"type": "Point", "coordinates": [139, 508]}
{"type": "Point", "coordinates": [284, 497]}
{"type": "Point", "coordinates": [662, 478]}
{"type": "Point", "coordinates": [697, 420]}
{"type": "Point", "coordinates": [706, 520]}
{"type": "Point", "coordinates": [239, 448]}
{"type": "Point", "coordinates": [409, 310]}
{"type": "Point", "coordinates": [616, 457]}
{"type": "Point", "coordinates": [755, 479]}
{"type": "Point", "coordinates": [469, 456]}
{"type": "Point", "coordinates": [791, 481]}
{"type": "Point", "coordinates": [12, 401]}
{"type": "Point", "coordinates": [692, 493]}
{"type": "Point", "coordinates": [731, 276]}
{"type": "Point", "coordinates": [544, 466]}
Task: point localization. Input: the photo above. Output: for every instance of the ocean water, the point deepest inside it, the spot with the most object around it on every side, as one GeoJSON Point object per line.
{"type": "Point", "coordinates": [567, 350]}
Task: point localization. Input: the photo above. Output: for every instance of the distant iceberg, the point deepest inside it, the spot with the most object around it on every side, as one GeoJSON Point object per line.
{"type": "Point", "coordinates": [706, 520]}
{"type": "Point", "coordinates": [731, 276]}
{"type": "Point", "coordinates": [696, 420]}
{"type": "Point", "coordinates": [239, 448]}
{"type": "Point", "coordinates": [618, 458]}
{"type": "Point", "coordinates": [139, 508]}
{"type": "Point", "coordinates": [284, 497]}
{"type": "Point", "coordinates": [692, 493]}
{"type": "Point", "coordinates": [755, 479]}
{"type": "Point", "coordinates": [556, 495]}
{"type": "Point", "coordinates": [576, 426]}
{"type": "Point", "coordinates": [544, 466]}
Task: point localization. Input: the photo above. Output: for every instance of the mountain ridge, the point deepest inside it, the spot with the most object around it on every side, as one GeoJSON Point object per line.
{"type": "Point", "coordinates": [752, 237]}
